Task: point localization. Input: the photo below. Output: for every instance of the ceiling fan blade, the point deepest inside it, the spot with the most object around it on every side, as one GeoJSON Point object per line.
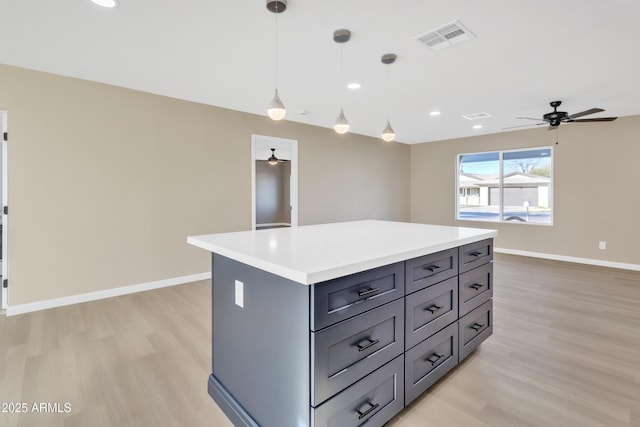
{"type": "Point", "coordinates": [599, 119]}
{"type": "Point", "coordinates": [528, 118]}
{"type": "Point", "coordinates": [585, 113]}
{"type": "Point", "coordinates": [522, 126]}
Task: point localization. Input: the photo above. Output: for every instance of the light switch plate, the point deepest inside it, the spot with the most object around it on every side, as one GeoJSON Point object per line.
{"type": "Point", "coordinates": [239, 287]}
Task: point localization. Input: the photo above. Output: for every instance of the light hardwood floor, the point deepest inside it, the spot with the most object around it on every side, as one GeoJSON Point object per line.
{"type": "Point", "coordinates": [565, 352]}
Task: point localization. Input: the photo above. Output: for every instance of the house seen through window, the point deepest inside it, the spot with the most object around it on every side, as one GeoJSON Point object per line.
{"type": "Point", "coordinates": [506, 186]}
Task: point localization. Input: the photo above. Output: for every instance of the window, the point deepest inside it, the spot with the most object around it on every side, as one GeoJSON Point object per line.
{"type": "Point", "coordinates": [506, 186]}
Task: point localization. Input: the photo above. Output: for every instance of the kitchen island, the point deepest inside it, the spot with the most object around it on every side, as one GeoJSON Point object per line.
{"type": "Point", "coordinates": [342, 324]}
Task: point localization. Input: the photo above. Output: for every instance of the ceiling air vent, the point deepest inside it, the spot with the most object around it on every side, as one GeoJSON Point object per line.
{"type": "Point", "coordinates": [446, 36]}
{"type": "Point", "coordinates": [476, 116]}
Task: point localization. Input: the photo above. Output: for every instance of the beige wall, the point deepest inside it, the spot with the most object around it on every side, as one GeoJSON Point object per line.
{"type": "Point", "coordinates": [596, 174]}
{"type": "Point", "coordinates": [105, 183]}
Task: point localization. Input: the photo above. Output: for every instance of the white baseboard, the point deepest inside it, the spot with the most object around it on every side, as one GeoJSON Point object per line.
{"type": "Point", "coordinates": [274, 224]}
{"type": "Point", "coordinates": [598, 262]}
{"type": "Point", "coordinates": [13, 310]}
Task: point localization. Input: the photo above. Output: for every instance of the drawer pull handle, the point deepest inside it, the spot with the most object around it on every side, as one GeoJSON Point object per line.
{"type": "Point", "coordinates": [372, 407]}
{"type": "Point", "coordinates": [476, 286]}
{"type": "Point", "coordinates": [476, 326]}
{"type": "Point", "coordinates": [432, 268]}
{"type": "Point", "coordinates": [370, 344]}
{"type": "Point", "coordinates": [368, 292]}
{"type": "Point", "coordinates": [433, 308]}
{"type": "Point", "coordinates": [434, 358]}
{"type": "Point", "coordinates": [475, 254]}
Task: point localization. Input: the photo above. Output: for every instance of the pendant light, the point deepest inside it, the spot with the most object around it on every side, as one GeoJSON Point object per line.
{"type": "Point", "coordinates": [388, 134]}
{"type": "Point", "coordinates": [276, 109]}
{"type": "Point", "coordinates": [342, 124]}
{"type": "Point", "coordinates": [273, 160]}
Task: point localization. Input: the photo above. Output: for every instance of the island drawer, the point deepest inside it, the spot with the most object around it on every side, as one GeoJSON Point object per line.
{"type": "Point", "coordinates": [427, 362]}
{"type": "Point", "coordinates": [344, 353]}
{"type": "Point", "coordinates": [474, 328]}
{"type": "Point", "coordinates": [372, 401]}
{"type": "Point", "coordinates": [429, 310]}
{"type": "Point", "coordinates": [430, 269]}
{"type": "Point", "coordinates": [475, 254]}
{"type": "Point", "coordinates": [476, 287]}
{"type": "Point", "coordinates": [338, 299]}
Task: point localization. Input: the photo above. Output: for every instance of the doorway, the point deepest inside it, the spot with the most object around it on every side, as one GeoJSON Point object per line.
{"type": "Point", "coordinates": [3, 223]}
{"type": "Point", "coordinates": [274, 186]}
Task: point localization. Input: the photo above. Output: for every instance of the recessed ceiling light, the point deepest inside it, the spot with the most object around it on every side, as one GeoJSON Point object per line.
{"type": "Point", "coordinates": [434, 113]}
{"type": "Point", "coordinates": [353, 86]}
{"type": "Point", "coordinates": [106, 3]}
{"type": "Point", "coordinates": [303, 112]}
{"type": "Point", "coordinates": [477, 126]}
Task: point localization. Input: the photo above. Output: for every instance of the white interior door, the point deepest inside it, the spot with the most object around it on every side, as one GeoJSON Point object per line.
{"type": "Point", "coordinates": [3, 129]}
{"type": "Point", "coordinates": [286, 149]}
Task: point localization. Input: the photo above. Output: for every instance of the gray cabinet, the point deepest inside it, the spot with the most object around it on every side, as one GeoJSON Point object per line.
{"type": "Point", "coordinates": [475, 254]}
{"type": "Point", "coordinates": [431, 309]}
{"type": "Point", "coordinates": [352, 351]}
{"type": "Point", "coordinates": [474, 328]}
{"type": "Point", "coordinates": [430, 269]}
{"type": "Point", "coordinates": [372, 401]}
{"type": "Point", "coordinates": [345, 352]}
{"type": "Point", "coordinates": [345, 297]}
{"type": "Point", "coordinates": [427, 362]}
{"type": "Point", "coordinates": [451, 313]}
{"type": "Point", "coordinates": [476, 287]}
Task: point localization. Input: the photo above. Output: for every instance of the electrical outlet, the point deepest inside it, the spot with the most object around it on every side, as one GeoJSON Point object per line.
{"type": "Point", "coordinates": [602, 245]}
{"type": "Point", "coordinates": [239, 288]}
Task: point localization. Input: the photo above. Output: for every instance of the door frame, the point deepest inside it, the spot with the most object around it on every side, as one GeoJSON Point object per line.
{"type": "Point", "coordinates": [5, 263]}
{"type": "Point", "coordinates": [288, 150]}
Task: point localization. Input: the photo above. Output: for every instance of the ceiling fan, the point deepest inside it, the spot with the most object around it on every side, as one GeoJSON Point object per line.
{"type": "Point", "coordinates": [555, 117]}
{"type": "Point", "coordinates": [273, 160]}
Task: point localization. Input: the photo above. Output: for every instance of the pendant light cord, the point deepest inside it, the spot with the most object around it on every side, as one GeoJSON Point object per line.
{"type": "Point", "coordinates": [342, 74]}
{"type": "Point", "coordinates": [277, 44]}
{"type": "Point", "coordinates": [388, 89]}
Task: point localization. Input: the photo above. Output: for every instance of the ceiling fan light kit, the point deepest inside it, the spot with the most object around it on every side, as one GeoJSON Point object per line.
{"type": "Point", "coordinates": [273, 160]}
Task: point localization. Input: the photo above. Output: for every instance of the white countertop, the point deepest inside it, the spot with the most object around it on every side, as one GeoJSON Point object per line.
{"type": "Point", "coordinates": [315, 253]}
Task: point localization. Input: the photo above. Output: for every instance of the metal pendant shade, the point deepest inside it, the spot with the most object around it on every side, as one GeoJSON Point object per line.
{"type": "Point", "coordinates": [276, 109]}
{"type": "Point", "coordinates": [341, 125]}
{"type": "Point", "coordinates": [388, 134]}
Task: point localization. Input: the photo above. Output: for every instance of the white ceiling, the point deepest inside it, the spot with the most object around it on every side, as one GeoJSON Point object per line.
{"type": "Point", "coordinates": [526, 54]}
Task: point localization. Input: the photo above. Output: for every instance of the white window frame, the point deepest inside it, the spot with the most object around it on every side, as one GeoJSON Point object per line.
{"type": "Point", "coordinates": [501, 183]}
